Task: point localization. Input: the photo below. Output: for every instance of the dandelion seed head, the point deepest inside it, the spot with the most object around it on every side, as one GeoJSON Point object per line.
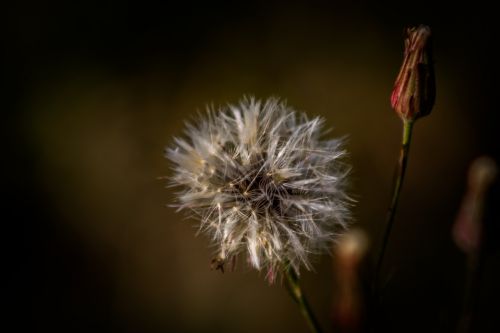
{"type": "Point", "coordinates": [261, 180]}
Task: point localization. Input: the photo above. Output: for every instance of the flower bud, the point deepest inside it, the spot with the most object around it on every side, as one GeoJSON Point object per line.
{"type": "Point", "coordinates": [348, 304]}
{"type": "Point", "coordinates": [415, 89]}
{"type": "Point", "coordinates": [467, 230]}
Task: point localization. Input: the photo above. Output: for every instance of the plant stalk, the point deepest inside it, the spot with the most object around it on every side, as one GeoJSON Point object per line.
{"type": "Point", "coordinates": [298, 296]}
{"type": "Point", "coordinates": [398, 182]}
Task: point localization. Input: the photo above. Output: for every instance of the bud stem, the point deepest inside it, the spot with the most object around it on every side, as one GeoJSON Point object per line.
{"type": "Point", "coordinates": [298, 296]}
{"type": "Point", "coordinates": [399, 178]}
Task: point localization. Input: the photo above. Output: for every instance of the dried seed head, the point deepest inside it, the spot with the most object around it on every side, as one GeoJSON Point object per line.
{"type": "Point", "coordinates": [262, 181]}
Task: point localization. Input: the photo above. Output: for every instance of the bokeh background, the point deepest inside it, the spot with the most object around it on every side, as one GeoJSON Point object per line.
{"type": "Point", "coordinates": [97, 90]}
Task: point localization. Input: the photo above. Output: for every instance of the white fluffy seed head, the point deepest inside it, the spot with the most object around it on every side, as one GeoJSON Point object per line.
{"type": "Point", "coordinates": [261, 180]}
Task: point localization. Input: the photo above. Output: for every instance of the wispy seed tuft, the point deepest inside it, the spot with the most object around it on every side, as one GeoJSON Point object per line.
{"type": "Point", "coordinates": [261, 180]}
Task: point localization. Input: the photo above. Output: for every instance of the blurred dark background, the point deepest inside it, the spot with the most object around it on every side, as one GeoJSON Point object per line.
{"type": "Point", "coordinates": [96, 90]}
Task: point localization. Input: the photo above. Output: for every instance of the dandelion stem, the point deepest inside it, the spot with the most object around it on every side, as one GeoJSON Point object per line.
{"type": "Point", "coordinates": [398, 182]}
{"type": "Point", "coordinates": [299, 297]}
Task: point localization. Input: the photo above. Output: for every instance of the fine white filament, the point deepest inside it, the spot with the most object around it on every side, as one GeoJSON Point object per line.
{"type": "Point", "coordinates": [261, 180]}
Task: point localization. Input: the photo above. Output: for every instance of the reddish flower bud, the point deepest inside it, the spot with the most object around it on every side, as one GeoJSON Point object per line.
{"type": "Point", "coordinates": [415, 89]}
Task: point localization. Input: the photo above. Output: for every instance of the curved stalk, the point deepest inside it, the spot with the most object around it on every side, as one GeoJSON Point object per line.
{"type": "Point", "coordinates": [400, 174]}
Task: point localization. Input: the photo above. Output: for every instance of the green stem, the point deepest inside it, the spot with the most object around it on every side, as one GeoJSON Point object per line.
{"type": "Point", "coordinates": [400, 174]}
{"type": "Point", "coordinates": [298, 296]}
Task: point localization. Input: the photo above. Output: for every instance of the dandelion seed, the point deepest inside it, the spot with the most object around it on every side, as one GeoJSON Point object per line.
{"type": "Point", "coordinates": [268, 184]}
